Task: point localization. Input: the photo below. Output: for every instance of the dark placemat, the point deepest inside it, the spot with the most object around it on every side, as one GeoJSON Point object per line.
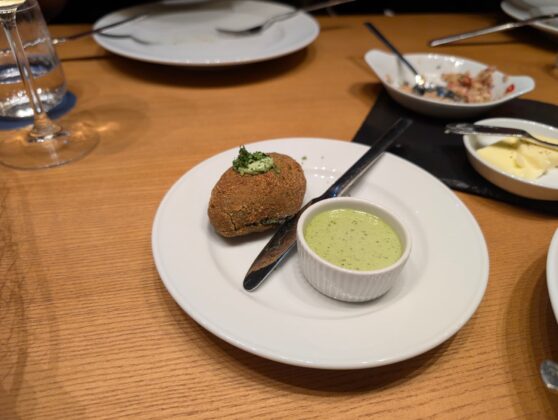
{"type": "Point", "coordinates": [443, 155]}
{"type": "Point", "coordinates": [65, 106]}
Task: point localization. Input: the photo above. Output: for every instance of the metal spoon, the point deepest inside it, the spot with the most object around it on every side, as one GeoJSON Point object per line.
{"type": "Point", "coordinates": [549, 375]}
{"type": "Point", "coordinates": [421, 86]}
{"type": "Point", "coordinates": [467, 128]}
{"type": "Point", "coordinates": [270, 21]}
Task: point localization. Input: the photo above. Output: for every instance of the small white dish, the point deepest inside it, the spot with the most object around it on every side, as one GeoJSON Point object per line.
{"type": "Point", "coordinates": [183, 33]}
{"type": "Point", "coordinates": [340, 283]}
{"type": "Point", "coordinates": [543, 188]}
{"type": "Point", "coordinates": [552, 273]}
{"type": "Point", "coordinates": [393, 74]}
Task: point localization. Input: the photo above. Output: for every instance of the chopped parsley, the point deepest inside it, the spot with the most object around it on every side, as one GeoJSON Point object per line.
{"type": "Point", "coordinates": [252, 163]}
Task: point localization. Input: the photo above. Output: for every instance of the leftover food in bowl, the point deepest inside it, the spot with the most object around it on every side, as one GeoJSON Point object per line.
{"type": "Point", "coordinates": [467, 88]}
{"type": "Point", "coordinates": [482, 86]}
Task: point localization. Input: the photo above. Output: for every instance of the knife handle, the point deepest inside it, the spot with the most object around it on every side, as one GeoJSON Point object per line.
{"type": "Point", "coordinates": [367, 160]}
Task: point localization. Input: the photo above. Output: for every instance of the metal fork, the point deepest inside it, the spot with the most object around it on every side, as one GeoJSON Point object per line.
{"type": "Point", "coordinates": [274, 19]}
{"type": "Point", "coordinates": [421, 86]}
{"type": "Point", "coordinates": [62, 39]}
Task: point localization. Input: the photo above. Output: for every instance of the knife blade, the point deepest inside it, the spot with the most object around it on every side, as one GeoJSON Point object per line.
{"type": "Point", "coordinates": [285, 238]}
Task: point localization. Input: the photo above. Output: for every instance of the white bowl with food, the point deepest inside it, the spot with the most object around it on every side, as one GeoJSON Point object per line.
{"type": "Point", "coordinates": [514, 165]}
{"type": "Point", "coordinates": [483, 87]}
{"type": "Point", "coordinates": [350, 249]}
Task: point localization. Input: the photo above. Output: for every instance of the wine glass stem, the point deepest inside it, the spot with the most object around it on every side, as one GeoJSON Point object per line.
{"type": "Point", "coordinates": [43, 127]}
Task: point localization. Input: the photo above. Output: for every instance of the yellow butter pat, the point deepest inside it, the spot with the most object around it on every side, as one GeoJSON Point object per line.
{"type": "Point", "coordinates": [520, 158]}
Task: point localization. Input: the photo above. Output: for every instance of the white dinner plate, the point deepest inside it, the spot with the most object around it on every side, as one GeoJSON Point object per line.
{"type": "Point", "coordinates": [552, 273]}
{"type": "Point", "coordinates": [514, 10]}
{"type": "Point", "coordinates": [288, 321]}
{"type": "Point", "coordinates": [184, 33]}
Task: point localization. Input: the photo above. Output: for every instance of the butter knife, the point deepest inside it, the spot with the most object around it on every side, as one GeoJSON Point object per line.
{"type": "Point", "coordinates": [490, 130]}
{"type": "Point", "coordinates": [490, 30]}
{"type": "Point", "coordinates": [285, 238]}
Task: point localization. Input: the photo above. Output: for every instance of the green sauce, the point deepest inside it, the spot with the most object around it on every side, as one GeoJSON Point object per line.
{"type": "Point", "coordinates": [353, 239]}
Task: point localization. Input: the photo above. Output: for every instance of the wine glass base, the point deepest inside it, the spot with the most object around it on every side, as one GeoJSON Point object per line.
{"type": "Point", "coordinates": [19, 150]}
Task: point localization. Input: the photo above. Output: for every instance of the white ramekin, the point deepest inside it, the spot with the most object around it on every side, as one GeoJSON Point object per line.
{"type": "Point", "coordinates": [340, 283]}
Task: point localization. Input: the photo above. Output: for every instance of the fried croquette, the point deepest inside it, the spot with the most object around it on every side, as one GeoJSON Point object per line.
{"type": "Point", "coordinates": [242, 204]}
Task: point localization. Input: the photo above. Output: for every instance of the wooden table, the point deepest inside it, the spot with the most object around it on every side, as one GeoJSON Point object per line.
{"type": "Point", "coordinates": [87, 329]}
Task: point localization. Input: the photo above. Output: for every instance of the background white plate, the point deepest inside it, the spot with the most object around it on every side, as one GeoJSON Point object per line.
{"type": "Point", "coordinates": [183, 33]}
{"type": "Point", "coordinates": [288, 321]}
{"type": "Point", "coordinates": [514, 10]}
{"type": "Point", "coordinates": [552, 273]}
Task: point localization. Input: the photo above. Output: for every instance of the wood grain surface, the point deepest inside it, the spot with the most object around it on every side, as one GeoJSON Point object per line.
{"type": "Point", "coordinates": [87, 329]}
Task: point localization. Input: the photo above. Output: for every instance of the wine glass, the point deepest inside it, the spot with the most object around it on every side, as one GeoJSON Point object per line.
{"type": "Point", "coordinates": [45, 143]}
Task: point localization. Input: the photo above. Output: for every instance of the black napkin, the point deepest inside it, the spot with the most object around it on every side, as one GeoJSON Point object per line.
{"type": "Point", "coordinates": [443, 155]}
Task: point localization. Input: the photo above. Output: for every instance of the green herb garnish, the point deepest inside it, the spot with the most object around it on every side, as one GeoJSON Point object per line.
{"type": "Point", "coordinates": [252, 163]}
